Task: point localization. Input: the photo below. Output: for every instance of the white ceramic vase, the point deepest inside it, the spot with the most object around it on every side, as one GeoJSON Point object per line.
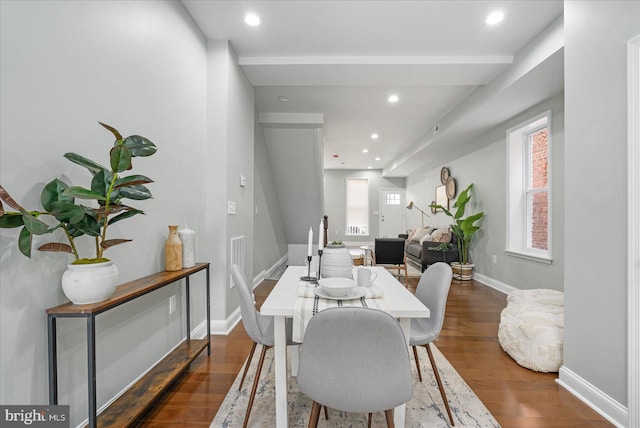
{"type": "Point", "coordinates": [336, 263]}
{"type": "Point", "coordinates": [90, 283]}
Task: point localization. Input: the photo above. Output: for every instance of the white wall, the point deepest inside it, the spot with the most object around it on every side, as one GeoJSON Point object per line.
{"type": "Point", "coordinates": [229, 154]}
{"type": "Point", "coordinates": [486, 169]}
{"type": "Point", "coordinates": [141, 67]}
{"type": "Point", "coordinates": [596, 33]}
{"type": "Point", "coordinates": [270, 239]}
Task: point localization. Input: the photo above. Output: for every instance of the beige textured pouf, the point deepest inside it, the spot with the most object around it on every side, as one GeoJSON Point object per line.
{"type": "Point", "coordinates": [532, 327]}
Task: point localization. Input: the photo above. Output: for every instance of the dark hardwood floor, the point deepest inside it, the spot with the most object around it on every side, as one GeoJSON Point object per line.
{"type": "Point", "coordinates": [517, 397]}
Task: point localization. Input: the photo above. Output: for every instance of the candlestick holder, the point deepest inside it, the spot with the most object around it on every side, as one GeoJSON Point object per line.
{"type": "Point", "coordinates": [308, 277]}
{"type": "Point", "coordinates": [319, 263]}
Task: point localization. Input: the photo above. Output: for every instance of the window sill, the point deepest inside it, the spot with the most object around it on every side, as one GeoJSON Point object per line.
{"type": "Point", "coordinates": [529, 256]}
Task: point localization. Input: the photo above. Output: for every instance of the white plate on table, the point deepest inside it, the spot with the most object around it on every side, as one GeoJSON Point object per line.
{"type": "Point", "coordinates": [356, 293]}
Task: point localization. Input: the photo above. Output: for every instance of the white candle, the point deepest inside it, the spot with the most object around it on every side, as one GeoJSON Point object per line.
{"type": "Point", "coordinates": [188, 238]}
{"type": "Point", "coordinates": [320, 238]}
{"type": "Point", "coordinates": [310, 242]}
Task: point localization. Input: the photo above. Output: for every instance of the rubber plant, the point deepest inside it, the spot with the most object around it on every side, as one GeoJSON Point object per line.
{"type": "Point", "coordinates": [60, 202]}
{"type": "Point", "coordinates": [463, 227]}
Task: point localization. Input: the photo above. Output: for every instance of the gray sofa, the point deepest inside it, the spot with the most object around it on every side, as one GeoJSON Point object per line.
{"type": "Point", "coordinates": [420, 254]}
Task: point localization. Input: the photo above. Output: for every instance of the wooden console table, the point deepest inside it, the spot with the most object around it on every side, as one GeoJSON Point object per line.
{"type": "Point", "coordinates": [129, 406]}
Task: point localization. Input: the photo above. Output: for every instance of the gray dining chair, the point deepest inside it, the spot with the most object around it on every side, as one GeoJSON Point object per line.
{"type": "Point", "coordinates": [355, 360]}
{"type": "Point", "coordinates": [432, 290]}
{"type": "Point", "coordinates": [258, 327]}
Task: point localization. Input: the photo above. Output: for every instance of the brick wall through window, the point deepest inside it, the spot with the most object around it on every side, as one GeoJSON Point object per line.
{"type": "Point", "coordinates": [539, 179]}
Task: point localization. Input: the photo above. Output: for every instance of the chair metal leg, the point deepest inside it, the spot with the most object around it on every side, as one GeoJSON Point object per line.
{"type": "Point", "coordinates": [435, 371]}
{"type": "Point", "coordinates": [326, 413]}
{"type": "Point", "coordinates": [315, 415]}
{"type": "Point", "coordinates": [246, 367]}
{"type": "Point", "coordinates": [255, 385]}
{"type": "Point", "coordinates": [415, 357]}
{"type": "Point", "coordinates": [389, 415]}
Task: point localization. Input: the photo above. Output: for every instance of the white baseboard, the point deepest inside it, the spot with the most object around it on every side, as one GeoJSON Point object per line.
{"type": "Point", "coordinates": [606, 406]}
{"type": "Point", "coordinates": [200, 332]}
{"type": "Point", "coordinates": [267, 273]}
{"type": "Point", "coordinates": [224, 327]}
{"type": "Point", "coordinates": [493, 283]}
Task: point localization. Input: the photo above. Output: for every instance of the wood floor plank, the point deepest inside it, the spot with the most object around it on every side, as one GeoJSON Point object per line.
{"type": "Point", "coordinates": [517, 397]}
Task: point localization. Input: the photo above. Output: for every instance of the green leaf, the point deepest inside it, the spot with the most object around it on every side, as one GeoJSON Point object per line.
{"type": "Point", "coordinates": [56, 247]}
{"type": "Point", "coordinates": [88, 225]}
{"type": "Point", "coordinates": [54, 192]}
{"type": "Point", "coordinates": [113, 130]}
{"type": "Point", "coordinates": [124, 215]}
{"type": "Point", "coordinates": [131, 180]}
{"type": "Point", "coordinates": [461, 202]}
{"type": "Point", "coordinates": [139, 146]}
{"type": "Point", "coordinates": [11, 220]}
{"type": "Point", "coordinates": [92, 166]}
{"type": "Point", "coordinates": [66, 212]}
{"type": "Point", "coordinates": [101, 182]}
{"type": "Point", "coordinates": [24, 242]}
{"type": "Point", "coordinates": [120, 158]}
{"type": "Point", "coordinates": [138, 192]}
{"type": "Point", "coordinates": [82, 193]}
{"type": "Point", "coordinates": [35, 226]}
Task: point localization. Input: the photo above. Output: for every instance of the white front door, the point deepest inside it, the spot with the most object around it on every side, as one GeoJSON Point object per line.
{"type": "Point", "coordinates": [392, 211]}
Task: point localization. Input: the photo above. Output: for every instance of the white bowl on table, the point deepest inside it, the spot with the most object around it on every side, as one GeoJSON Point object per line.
{"type": "Point", "coordinates": [337, 287]}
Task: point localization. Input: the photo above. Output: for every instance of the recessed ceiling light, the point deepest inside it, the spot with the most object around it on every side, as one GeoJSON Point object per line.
{"type": "Point", "coordinates": [375, 136]}
{"type": "Point", "coordinates": [283, 98]}
{"type": "Point", "coordinates": [377, 159]}
{"type": "Point", "coordinates": [252, 19]}
{"type": "Point", "coordinates": [368, 167]}
{"type": "Point", "coordinates": [393, 98]}
{"type": "Point", "coordinates": [365, 151]}
{"type": "Point", "coordinates": [494, 17]}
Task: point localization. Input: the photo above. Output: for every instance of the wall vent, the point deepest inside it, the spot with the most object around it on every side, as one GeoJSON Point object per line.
{"type": "Point", "coordinates": [237, 255]}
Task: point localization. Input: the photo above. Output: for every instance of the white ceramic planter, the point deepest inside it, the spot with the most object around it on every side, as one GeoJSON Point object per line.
{"type": "Point", "coordinates": [336, 263]}
{"type": "Point", "coordinates": [92, 283]}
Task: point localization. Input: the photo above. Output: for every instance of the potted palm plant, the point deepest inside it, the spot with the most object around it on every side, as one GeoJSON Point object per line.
{"type": "Point", "coordinates": [86, 280]}
{"type": "Point", "coordinates": [464, 228]}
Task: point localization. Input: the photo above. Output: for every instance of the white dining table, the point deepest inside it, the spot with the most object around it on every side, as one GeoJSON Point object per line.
{"type": "Point", "coordinates": [398, 302]}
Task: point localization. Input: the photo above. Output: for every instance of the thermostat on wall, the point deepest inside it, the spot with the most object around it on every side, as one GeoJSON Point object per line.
{"type": "Point", "coordinates": [243, 181]}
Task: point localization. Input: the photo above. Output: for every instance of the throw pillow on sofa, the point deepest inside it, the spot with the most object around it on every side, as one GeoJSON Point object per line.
{"type": "Point", "coordinates": [426, 237]}
{"type": "Point", "coordinates": [420, 233]}
{"type": "Point", "coordinates": [412, 233]}
{"type": "Point", "coordinates": [441, 235]}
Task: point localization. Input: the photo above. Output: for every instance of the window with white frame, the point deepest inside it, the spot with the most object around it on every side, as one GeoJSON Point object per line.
{"type": "Point", "coordinates": [529, 189]}
{"type": "Point", "coordinates": [357, 206]}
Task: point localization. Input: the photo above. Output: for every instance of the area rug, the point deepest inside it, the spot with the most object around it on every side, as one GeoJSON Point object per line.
{"type": "Point", "coordinates": [426, 409]}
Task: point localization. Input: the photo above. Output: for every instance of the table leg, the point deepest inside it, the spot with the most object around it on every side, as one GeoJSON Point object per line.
{"type": "Point", "coordinates": [208, 313]}
{"type": "Point", "coordinates": [53, 359]}
{"type": "Point", "coordinates": [280, 339]}
{"type": "Point", "coordinates": [91, 371]}
{"type": "Point", "coordinates": [399, 412]}
{"type": "Point", "coordinates": [188, 305]}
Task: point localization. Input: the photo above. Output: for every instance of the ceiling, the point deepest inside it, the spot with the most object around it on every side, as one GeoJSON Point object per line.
{"type": "Point", "coordinates": [342, 59]}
